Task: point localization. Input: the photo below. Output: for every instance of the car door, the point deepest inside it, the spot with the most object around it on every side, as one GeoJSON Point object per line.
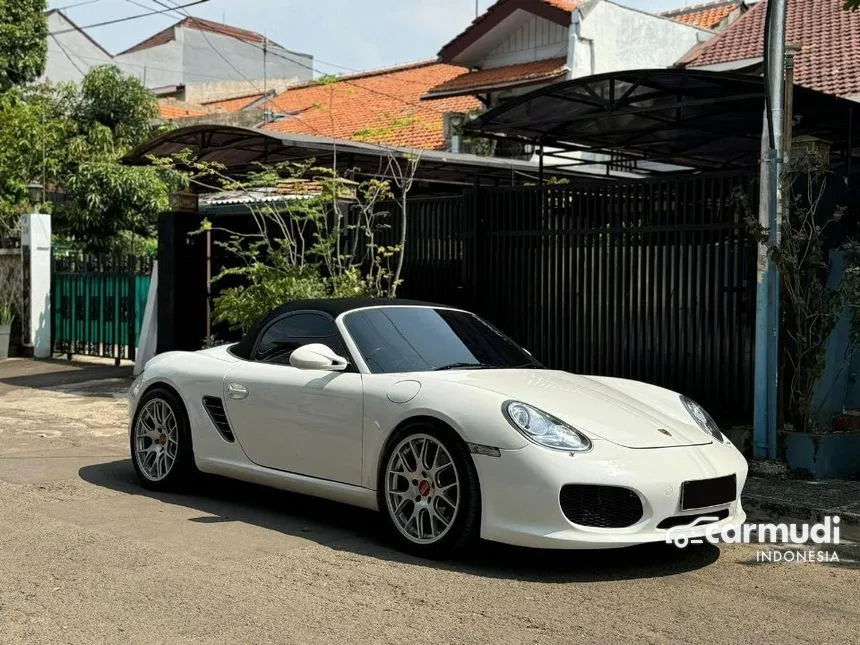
{"type": "Point", "coordinates": [297, 420]}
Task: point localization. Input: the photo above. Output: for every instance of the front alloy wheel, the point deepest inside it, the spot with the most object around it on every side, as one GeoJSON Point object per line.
{"type": "Point", "coordinates": [430, 493]}
{"type": "Point", "coordinates": [160, 441]}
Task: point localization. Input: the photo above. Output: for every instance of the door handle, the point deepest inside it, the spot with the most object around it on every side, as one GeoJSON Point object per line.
{"type": "Point", "coordinates": [237, 391]}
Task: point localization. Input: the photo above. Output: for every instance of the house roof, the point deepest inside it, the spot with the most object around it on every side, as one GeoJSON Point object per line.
{"type": "Point", "coordinates": [381, 106]}
{"type": "Point", "coordinates": [173, 109]}
{"type": "Point", "coordinates": [241, 150]}
{"type": "Point", "coordinates": [169, 34]}
{"type": "Point", "coordinates": [235, 103]}
{"type": "Point", "coordinates": [714, 118]}
{"type": "Point", "coordinates": [74, 26]}
{"type": "Point", "coordinates": [829, 37]}
{"type": "Point", "coordinates": [557, 11]}
{"type": "Point", "coordinates": [499, 77]}
{"type": "Point", "coordinates": [709, 15]}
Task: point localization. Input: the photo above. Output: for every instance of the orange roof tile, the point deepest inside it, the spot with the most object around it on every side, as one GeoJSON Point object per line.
{"type": "Point", "coordinates": [235, 103]}
{"type": "Point", "coordinates": [173, 109]}
{"type": "Point", "coordinates": [377, 107]}
{"type": "Point", "coordinates": [829, 37]}
{"type": "Point", "coordinates": [522, 74]}
{"type": "Point", "coordinates": [564, 5]}
{"type": "Point", "coordinates": [708, 16]}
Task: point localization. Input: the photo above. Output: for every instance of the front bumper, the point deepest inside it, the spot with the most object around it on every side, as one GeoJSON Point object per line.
{"type": "Point", "coordinates": [520, 492]}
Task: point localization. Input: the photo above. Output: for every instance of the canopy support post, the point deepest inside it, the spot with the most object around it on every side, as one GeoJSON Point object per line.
{"type": "Point", "coordinates": [540, 163]}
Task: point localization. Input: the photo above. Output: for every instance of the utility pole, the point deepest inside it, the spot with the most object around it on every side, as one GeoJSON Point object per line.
{"type": "Point", "coordinates": [770, 217]}
{"type": "Point", "coordinates": [265, 82]}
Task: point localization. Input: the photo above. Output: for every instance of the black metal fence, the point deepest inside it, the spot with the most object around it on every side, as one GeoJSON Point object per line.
{"type": "Point", "coordinates": [651, 280]}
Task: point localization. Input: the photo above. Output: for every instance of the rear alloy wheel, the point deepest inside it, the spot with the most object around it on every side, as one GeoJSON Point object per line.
{"type": "Point", "coordinates": [160, 441]}
{"type": "Point", "coordinates": [430, 493]}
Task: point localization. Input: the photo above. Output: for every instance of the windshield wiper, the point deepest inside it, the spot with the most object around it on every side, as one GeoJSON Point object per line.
{"type": "Point", "coordinates": [456, 366]}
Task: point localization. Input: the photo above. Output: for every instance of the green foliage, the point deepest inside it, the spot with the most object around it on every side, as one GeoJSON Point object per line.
{"type": "Point", "coordinates": [23, 41]}
{"type": "Point", "coordinates": [320, 245]}
{"type": "Point", "coordinates": [71, 139]}
{"type": "Point", "coordinates": [110, 113]}
{"type": "Point", "coordinates": [109, 99]}
{"type": "Point", "coordinates": [811, 306]}
{"type": "Point", "coordinates": [385, 130]}
{"type": "Point", "coordinates": [852, 5]}
{"type": "Point", "coordinates": [272, 281]}
{"type": "Point", "coordinates": [10, 291]}
{"type": "Point", "coordinates": [33, 133]}
{"type": "Point", "coordinates": [109, 199]}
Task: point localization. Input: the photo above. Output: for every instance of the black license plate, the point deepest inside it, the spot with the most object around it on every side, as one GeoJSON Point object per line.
{"type": "Point", "coordinates": [708, 492]}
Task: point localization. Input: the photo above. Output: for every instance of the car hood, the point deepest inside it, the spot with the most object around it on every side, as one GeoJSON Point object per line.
{"type": "Point", "coordinates": [627, 413]}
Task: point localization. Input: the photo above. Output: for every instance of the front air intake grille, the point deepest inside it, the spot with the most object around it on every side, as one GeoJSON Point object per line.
{"type": "Point", "coordinates": [607, 507]}
{"type": "Point", "coordinates": [215, 407]}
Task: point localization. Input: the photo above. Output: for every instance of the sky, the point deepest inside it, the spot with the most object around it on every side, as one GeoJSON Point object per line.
{"type": "Point", "coordinates": [340, 34]}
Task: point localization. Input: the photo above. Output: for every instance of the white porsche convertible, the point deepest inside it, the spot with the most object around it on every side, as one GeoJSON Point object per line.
{"type": "Point", "coordinates": [446, 426]}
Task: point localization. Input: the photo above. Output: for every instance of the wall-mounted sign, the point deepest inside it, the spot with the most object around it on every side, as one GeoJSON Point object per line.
{"type": "Point", "coordinates": [183, 202]}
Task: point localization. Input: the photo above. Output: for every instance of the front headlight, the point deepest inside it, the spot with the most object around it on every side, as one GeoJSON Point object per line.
{"type": "Point", "coordinates": [544, 429]}
{"type": "Point", "coordinates": [703, 419]}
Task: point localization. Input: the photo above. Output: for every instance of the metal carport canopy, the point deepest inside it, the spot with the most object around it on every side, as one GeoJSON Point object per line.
{"type": "Point", "coordinates": [695, 118]}
{"type": "Point", "coordinates": [241, 150]}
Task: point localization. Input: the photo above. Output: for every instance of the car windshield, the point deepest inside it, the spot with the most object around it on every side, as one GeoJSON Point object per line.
{"type": "Point", "coordinates": [421, 339]}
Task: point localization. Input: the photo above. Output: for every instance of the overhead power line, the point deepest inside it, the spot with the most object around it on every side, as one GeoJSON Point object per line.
{"type": "Point", "coordinates": [76, 4]}
{"type": "Point", "coordinates": [181, 10]}
{"type": "Point", "coordinates": [271, 52]}
{"type": "Point", "coordinates": [126, 19]}
{"type": "Point", "coordinates": [66, 53]}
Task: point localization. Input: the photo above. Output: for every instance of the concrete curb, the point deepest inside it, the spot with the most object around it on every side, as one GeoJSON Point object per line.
{"type": "Point", "coordinates": [848, 515]}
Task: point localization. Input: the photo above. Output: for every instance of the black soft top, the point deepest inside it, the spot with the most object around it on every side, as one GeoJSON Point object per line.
{"type": "Point", "coordinates": [334, 307]}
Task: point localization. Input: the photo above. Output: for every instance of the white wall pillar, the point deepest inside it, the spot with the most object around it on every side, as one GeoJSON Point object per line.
{"type": "Point", "coordinates": [148, 340]}
{"type": "Point", "coordinates": [36, 253]}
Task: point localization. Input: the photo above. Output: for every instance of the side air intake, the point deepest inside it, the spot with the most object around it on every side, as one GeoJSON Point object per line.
{"type": "Point", "coordinates": [215, 407]}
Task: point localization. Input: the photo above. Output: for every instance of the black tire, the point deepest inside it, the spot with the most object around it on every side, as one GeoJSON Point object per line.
{"type": "Point", "coordinates": [463, 533]}
{"type": "Point", "coordinates": [182, 470]}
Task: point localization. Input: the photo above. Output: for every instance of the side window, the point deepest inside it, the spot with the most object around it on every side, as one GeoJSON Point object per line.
{"type": "Point", "coordinates": [287, 334]}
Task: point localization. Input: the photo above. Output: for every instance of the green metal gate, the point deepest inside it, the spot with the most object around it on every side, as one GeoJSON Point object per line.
{"type": "Point", "coordinates": [98, 305]}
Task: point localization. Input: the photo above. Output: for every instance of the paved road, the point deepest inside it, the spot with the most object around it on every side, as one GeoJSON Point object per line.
{"type": "Point", "coordinates": [86, 556]}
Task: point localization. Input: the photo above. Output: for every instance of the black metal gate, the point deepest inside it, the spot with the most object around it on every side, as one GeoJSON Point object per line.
{"type": "Point", "coordinates": [651, 280]}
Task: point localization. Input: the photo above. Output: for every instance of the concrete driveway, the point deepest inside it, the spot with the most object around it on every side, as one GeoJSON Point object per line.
{"type": "Point", "coordinates": [87, 556]}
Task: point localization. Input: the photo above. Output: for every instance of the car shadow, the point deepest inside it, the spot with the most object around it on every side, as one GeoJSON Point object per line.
{"type": "Point", "coordinates": [347, 528]}
{"type": "Point", "coordinates": [58, 375]}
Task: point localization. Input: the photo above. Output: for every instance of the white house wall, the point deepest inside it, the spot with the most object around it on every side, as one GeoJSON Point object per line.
{"type": "Point", "coordinates": [191, 60]}
{"type": "Point", "coordinates": [535, 39]}
{"type": "Point", "coordinates": [615, 38]}
{"type": "Point", "coordinates": [200, 62]}
{"type": "Point", "coordinates": [70, 54]}
{"type": "Point", "coordinates": [156, 66]}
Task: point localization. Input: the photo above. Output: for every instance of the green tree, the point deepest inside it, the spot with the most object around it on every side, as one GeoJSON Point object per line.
{"type": "Point", "coordinates": [120, 103]}
{"type": "Point", "coordinates": [23, 41]}
{"type": "Point", "coordinates": [33, 132]}
{"type": "Point", "coordinates": [108, 115]}
{"type": "Point", "coordinates": [852, 4]}
{"type": "Point", "coordinates": [72, 138]}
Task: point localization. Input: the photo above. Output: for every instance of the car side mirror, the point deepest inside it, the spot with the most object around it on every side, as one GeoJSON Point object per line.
{"type": "Point", "coordinates": [317, 356]}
